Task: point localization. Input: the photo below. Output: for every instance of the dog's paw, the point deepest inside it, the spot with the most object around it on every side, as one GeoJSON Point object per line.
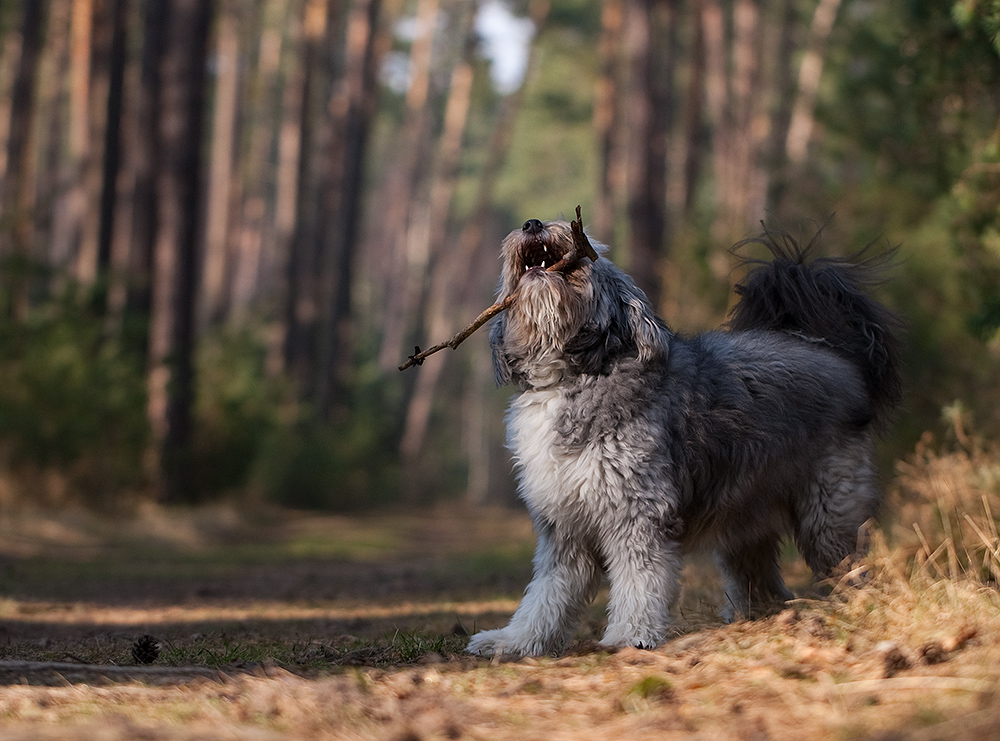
{"type": "Point", "coordinates": [644, 639]}
{"type": "Point", "coordinates": [492, 643]}
{"type": "Point", "coordinates": [504, 642]}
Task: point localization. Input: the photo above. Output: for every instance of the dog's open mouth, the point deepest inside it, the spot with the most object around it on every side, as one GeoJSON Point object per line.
{"type": "Point", "coordinates": [537, 248]}
{"type": "Point", "coordinates": [539, 254]}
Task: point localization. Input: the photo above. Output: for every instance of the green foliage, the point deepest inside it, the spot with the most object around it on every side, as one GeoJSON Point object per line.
{"type": "Point", "coordinates": [72, 408]}
{"type": "Point", "coordinates": [238, 409]}
{"type": "Point", "coordinates": [346, 464]}
{"type": "Point", "coordinates": [976, 205]}
{"type": "Point", "coordinates": [910, 147]}
{"type": "Point", "coordinates": [984, 13]}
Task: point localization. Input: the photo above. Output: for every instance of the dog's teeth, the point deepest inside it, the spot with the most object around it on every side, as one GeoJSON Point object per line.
{"type": "Point", "coordinates": [543, 264]}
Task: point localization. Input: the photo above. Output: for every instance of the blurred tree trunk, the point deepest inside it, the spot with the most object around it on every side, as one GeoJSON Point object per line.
{"type": "Point", "coordinates": [782, 87]}
{"type": "Point", "coordinates": [743, 195]}
{"type": "Point", "coordinates": [446, 267]}
{"type": "Point", "coordinates": [111, 164]}
{"type": "Point", "coordinates": [735, 102]}
{"type": "Point", "coordinates": [607, 122]}
{"type": "Point", "coordinates": [800, 125]}
{"type": "Point", "coordinates": [301, 309]}
{"type": "Point", "coordinates": [404, 263]}
{"type": "Point", "coordinates": [51, 115]}
{"type": "Point", "coordinates": [16, 198]}
{"type": "Point", "coordinates": [54, 120]}
{"type": "Point", "coordinates": [142, 156]}
{"type": "Point", "coordinates": [694, 113]}
{"type": "Point", "coordinates": [78, 218]}
{"type": "Point", "coordinates": [179, 192]}
{"type": "Point", "coordinates": [649, 38]}
{"type": "Point", "coordinates": [352, 108]}
{"type": "Point", "coordinates": [256, 231]}
{"type": "Point", "coordinates": [95, 109]}
{"type": "Point", "coordinates": [451, 274]}
{"type": "Point", "coordinates": [222, 189]}
{"type": "Point", "coordinates": [70, 205]}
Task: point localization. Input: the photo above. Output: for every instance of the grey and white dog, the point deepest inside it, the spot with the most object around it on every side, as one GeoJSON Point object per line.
{"type": "Point", "coordinates": [634, 445]}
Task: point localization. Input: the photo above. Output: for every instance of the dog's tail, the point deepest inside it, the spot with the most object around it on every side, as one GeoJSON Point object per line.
{"type": "Point", "coordinates": [823, 299]}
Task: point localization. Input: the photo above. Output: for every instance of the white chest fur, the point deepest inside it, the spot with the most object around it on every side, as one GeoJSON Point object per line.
{"type": "Point", "coordinates": [555, 481]}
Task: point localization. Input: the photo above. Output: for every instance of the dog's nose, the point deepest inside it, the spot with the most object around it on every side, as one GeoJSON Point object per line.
{"type": "Point", "coordinates": [532, 226]}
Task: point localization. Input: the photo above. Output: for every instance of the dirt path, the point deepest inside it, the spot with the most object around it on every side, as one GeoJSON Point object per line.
{"type": "Point", "coordinates": [341, 628]}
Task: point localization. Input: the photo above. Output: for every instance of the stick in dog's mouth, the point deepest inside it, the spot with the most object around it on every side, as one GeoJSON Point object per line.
{"type": "Point", "coordinates": [540, 251]}
{"type": "Point", "coordinates": [536, 254]}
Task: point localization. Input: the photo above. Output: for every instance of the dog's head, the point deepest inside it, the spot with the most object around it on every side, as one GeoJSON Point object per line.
{"type": "Point", "coordinates": [581, 319]}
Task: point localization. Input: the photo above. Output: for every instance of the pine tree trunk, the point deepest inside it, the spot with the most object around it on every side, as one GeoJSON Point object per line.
{"type": "Point", "coordinates": [648, 38]}
{"type": "Point", "coordinates": [142, 156]}
{"type": "Point", "coordinates": [448, 289]}
{"type": "Point", "coordinates": [218, 193]}
{"type": "Point", "coordinates": [447, 267]}
{"type": "Point", "coordinates": [694, 112]}
{"type": "Point", "coordinates": [297, 195]}
{"type": "Point", "coordinates": [257, 234]}
{"type": "Point", "coordinates": [607, 122]}
{"type": "Point", "coordinates": [344, 186]}
{"type": "Point", "coordinates": [16, 195]}
{"type": "Point", "coordinates": [71, 209]}
{"type": "Point", "coordinates": [404, 262]}
{"type": "Point", "coordinates": [810, 72]}
{"type": "Point", "coordinates": [111, 162]}
{"type": "Point", "coordinates": [179, 192]}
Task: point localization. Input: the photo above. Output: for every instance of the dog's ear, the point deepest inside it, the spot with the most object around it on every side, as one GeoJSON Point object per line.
{"type": "Point", "coordinates": [502, 372]}
{"type": "Point", "coordinates": [620, 321]}
{"type": "Point", "coordinates": [649, 333]}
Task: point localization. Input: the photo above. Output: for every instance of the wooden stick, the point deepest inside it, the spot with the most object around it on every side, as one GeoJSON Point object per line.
{"type": "Point", "coordinates": [580, 240]}
{"type": "Point", "coordinates": [581, 245]}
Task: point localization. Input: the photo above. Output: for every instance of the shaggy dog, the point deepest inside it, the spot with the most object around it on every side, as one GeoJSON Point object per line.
{"type": "Point", "coordinates": [634, 445]}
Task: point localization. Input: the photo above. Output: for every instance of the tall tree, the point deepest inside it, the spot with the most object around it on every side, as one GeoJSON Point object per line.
{"type": "Point", "coordinates": [111, 165]}
{"type": "Point", "coordinates": [142, 155]}
{"type": "Point", "coordinates": [296, 204]}
{"type": "Point", "coordinates": [650, 38]}
{"type": "Point", "coordinates": [221, 186]}
{"type": "Point", "coordinates": [16, 195]}
{"type": "Point", "coordinates": [607, 121]}
{"type": "Point", "coordinates": [404, 263]}
{"type": "Point", "coordinates": [257, 231]}
{"type": "Point", "coordinates": [178, 199]}
{"type": "Point", "coordinates": [447, 264]}
{"type": "Point", "coordinates": [71, 202]}
{"type": "Point", "coordinates": [352, 108]}
{"type": "Point", "coordinates": [452, 270]}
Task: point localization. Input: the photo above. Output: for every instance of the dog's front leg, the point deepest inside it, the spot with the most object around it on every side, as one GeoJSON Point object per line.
{"type": "Point", "coordinates": [644, 569]}
{"type": "Point", "coordinates": [565, 580]}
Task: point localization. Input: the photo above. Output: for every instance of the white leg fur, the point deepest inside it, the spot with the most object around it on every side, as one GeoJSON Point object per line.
{"type": "Point", "coordinates": [564, 582]}
{"type": "Point", "coordinates": [643, 587]}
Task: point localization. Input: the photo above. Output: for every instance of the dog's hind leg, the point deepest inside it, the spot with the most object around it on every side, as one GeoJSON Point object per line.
{"type": "Point", "coordinates": [565, 580]}
{"type": "Point", "coordinates": [752, 578]}
{"type": "Point", "coordinates": [842, 498]}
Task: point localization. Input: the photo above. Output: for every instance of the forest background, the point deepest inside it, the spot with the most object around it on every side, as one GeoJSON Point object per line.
{"type": "Point", "coordinates": [224, 224]}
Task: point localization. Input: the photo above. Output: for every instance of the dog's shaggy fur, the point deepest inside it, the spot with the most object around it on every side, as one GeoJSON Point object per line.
{"type": "Point", "coordinates": [634, 444]}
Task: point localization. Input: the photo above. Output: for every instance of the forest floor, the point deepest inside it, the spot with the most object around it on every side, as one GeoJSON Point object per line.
{"type": "Point", "coordinates": [314, 627]}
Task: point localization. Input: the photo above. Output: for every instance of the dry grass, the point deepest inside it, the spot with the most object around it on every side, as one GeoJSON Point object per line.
{"type": "Point", "coordinates": [906, 646]}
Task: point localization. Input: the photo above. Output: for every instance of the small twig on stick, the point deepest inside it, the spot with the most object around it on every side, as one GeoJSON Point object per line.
{"type": "Point", "coordinates": [581, 246]}
{"type": "Point", "coordinates": [580, 241]}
